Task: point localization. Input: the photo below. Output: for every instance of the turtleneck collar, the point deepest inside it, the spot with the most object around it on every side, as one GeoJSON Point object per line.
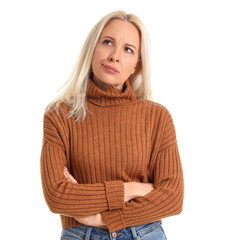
{"type": "Point", "coordinates": [109, 96]}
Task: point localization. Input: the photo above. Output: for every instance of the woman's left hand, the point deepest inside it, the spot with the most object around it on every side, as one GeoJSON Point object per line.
{"type": "Point", "coordinates": [93, 220]}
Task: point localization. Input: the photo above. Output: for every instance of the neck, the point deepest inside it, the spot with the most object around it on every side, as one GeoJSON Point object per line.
{"type": "Point", "coordinates": [109, 95]}
{"type": "Point", "coordinates": [102, 85]}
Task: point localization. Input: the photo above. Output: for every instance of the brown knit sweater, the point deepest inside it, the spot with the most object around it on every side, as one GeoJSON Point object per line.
{"type": "Point", "coordinates": [122, 139]}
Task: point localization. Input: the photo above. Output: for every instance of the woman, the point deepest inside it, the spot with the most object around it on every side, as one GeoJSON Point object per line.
{"type": "Point", "coordinates": [123, 172]}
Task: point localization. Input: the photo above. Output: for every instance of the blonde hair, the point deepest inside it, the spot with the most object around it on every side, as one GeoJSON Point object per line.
{"type": "Point", "coordinates": [76, 85]}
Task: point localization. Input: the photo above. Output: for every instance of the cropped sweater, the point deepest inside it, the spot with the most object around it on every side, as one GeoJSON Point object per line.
{"type": "Point", "coordinates": [123, 138]}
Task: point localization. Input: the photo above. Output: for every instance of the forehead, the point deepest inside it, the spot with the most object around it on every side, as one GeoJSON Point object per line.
{"type": "Point", "coordinates": [120, 29]}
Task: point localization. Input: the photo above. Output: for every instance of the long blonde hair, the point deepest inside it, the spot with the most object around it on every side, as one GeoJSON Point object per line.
{"type": "Point", "coordinates": [74, 93]}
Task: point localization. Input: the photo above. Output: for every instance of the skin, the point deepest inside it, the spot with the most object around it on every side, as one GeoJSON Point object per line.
{"type": "Point", "coordinates": [119, 47]}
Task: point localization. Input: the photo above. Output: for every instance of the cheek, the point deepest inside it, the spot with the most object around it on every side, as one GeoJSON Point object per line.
{"type": "Point", "coordinates": [128, 66]}
{"type": "Point", "coordinates": [95, 60]}
{"type": "Point", "coordinates": [99, 55]}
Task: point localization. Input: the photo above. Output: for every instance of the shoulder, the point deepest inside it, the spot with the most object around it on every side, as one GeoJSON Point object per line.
{"type": "Point", "coordinates": [57, 110]}
{"type": "Point", "coordinates": [160, 116]}
{"type": "Point", "coordinates": [55, 125]}
{"type": "Point", "coordinates": [156, 107]}
{"type": "Point", "coordinates": [56, 117]}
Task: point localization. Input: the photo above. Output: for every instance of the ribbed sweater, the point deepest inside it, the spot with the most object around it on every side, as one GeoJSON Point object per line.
{"type": "Point", "coordinates": [122, 139]}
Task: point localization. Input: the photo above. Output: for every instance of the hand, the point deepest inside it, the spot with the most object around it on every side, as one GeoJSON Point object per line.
{"type": "Point", "coordinates": [93, 220]}
{"type": "Point", "coordinates": [137, 189]}
{"type": "Point", "coordinates": [144, 188]}
{"type": "Point", "coordinates": [69, 176]}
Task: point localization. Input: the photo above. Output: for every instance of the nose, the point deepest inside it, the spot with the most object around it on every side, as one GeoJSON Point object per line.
{"type": "Point", "coordinates": [114, 56]}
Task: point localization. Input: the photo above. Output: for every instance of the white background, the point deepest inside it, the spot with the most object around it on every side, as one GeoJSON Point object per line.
{"type": "Point", "coordinates": [40, 41]}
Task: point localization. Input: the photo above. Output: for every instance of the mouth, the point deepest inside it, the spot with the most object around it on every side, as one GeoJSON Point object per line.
{"type": "Point", "coordinates": [110, 69]}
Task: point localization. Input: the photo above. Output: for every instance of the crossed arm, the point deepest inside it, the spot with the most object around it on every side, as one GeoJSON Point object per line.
{"type": "Point", "coordinates": [96, 219]}
{"type": "Point", "coordinates": [93, 220]}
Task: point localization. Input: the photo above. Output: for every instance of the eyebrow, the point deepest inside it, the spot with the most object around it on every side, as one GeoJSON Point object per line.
{"type": "Point", "coordinates": [114, 40]}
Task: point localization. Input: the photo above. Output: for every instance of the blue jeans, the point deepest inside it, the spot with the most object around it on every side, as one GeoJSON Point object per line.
{"type": "Point", "coordinates": [149, 231]}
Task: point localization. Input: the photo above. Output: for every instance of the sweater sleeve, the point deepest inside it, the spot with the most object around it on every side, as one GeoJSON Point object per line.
{"type": "Point", "coordinates": [67, 198]}
{"type": "Point", "coordinates": [167, 197]}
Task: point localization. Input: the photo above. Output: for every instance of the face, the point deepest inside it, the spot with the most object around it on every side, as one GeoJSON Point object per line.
{"type": "Point", "coordinates": [118, 47]}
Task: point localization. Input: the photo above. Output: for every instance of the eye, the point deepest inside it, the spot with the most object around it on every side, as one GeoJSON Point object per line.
{"type": "Point", "coordinates": [129, 49]}
{"type": "Point", "coordinates": [107, 41]}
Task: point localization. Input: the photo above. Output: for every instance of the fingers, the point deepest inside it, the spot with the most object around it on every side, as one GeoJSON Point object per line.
{"type": "Point", "coordinates": [69, 176]}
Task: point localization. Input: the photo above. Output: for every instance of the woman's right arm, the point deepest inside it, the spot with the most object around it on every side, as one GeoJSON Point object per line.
{"type": "Point", "coordinates": [61, 196]}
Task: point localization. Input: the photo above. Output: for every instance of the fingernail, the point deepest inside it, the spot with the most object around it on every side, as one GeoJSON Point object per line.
{"type": "Point", "coordinates": [65, 169]}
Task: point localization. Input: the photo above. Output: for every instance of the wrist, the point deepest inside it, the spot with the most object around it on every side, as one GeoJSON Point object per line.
{"type": "Point", "coordinates": [135, 189]}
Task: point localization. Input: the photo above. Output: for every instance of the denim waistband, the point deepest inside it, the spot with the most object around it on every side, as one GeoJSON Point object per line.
{"type": "Point", "coordinates": [85, 231]}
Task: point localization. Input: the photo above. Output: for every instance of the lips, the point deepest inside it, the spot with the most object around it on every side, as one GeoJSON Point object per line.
{"type": "Point", "coordinates": [111, 68]}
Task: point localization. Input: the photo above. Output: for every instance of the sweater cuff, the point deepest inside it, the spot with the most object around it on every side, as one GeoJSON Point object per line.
{"type": "Point", "coordinates": [114, 220]}
{"type": "Point", "coordinates": [115, 194]}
